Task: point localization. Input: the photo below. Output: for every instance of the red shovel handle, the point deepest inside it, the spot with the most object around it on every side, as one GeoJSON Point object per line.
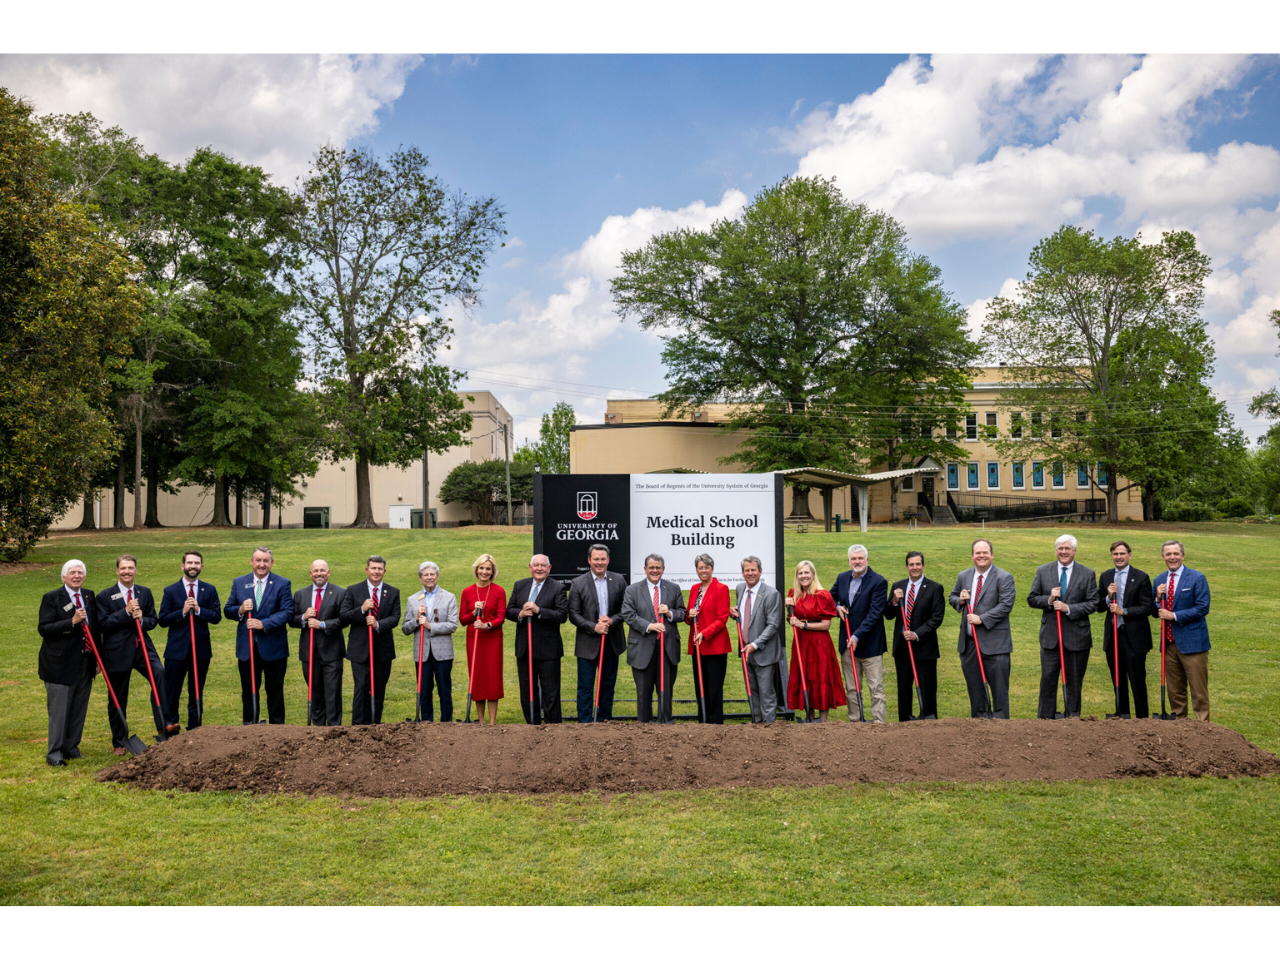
{"type": "Point", "coordinates": [743, 657]}
{"type": "Point", "coordinates": [977, 649]}
{"type": "Point", "coordinates": [373, 695]}
{"type": "Point", "coordinates": [147, 657]}
{"type": "Point", "coordinates": [857, 684]}
{"type": "Point", "coordinates": [1062, 660]}
{"type": "Point", "coordinates": [195, 670]}
{"type": "Point", "coordinates": [101, 666]}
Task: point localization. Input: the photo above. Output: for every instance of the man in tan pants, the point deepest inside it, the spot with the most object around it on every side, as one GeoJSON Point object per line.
{"type": "Point", "coordinates": [1182, 597]}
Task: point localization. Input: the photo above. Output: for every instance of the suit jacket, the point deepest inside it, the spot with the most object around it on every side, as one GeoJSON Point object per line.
{"type": "Point", "coordinates": [329, 639]}
{"type": "Point", "coordinates": [1190, 632]}
{"type": "Point", "coordinates": [275, 611]}
{"type": "Point", "coordinates": [63, 658]}
{"type": "Point", "coordinates": [1081, 598]}
{"type": "Point", "coordinates": [178, 646]}
{"type": "Point", "coordinates": [866, 616]}
{"type": "Point", "coordinates": [1138, 604]}
{"type": "Point", "coordinates": [637, 611]}
{"type": "Point", "coordinates": [765, 628]}
{"type": "Point", "coordinates": [584, 612]}
{"type": "Point", "coordinates": [994, 605]}
{"type": "Point", "coordinates": [442, 617]}
{"type": "Point", "coordinates": [119, 635]}
{"type": "Point", "coordinates": [712, 620]}
{"type": "Point", "coordinates": [553, 610]}
{"type": "Point", "coordinates": [927, 613]}
{"type": "Point", "coordinates": [384, 634]}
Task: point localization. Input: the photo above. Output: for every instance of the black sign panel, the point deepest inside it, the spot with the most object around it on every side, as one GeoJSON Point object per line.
{"type": "Point", "coordinates": [573, 511]}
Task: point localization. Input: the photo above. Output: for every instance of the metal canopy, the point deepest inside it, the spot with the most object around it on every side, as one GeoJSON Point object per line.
{"type": "Point", "coordinates": [828, 481]}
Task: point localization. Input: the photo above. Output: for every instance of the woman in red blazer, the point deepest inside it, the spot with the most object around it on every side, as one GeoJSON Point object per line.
{"type": "Point", "coordinates": [708, 611]}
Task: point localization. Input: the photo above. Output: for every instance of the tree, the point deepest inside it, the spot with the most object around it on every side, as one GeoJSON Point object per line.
{"type": "Point", "coordinates": [387, 247]}
{"type": "Point", "coordinates": [551, 452]}
{"type": "Point", "coordinates": [809, 314]}
{"type": "Point", "coordinates": [68, 301]}
{"type": "Point", "coordinates": [1108, 359]}
{"type": "Point", "coordinates": [483, 487]}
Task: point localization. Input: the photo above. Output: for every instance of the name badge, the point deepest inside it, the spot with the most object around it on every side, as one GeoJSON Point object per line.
{"type": "Point", "coordinates": [69, 606]}
{"type": "Point", "coordinates": [116, 596]}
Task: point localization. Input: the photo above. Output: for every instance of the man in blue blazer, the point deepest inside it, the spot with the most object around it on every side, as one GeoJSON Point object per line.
{"type": "Point", "coordinates": [1182, 598]}
{"type": "Point", "coordinates": [187, 608]}
{"type": "Point", "coordinates": [860, 594]}
{"type": "Point", "coordinates": [263, 603]}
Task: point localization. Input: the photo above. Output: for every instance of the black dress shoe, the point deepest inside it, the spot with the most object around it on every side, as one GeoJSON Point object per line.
{"type": "Point", "coordinates": [72, 754]}
{"type": "Point", "coordinates": [55, 763]}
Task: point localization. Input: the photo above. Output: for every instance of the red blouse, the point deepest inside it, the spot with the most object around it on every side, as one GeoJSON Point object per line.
{"type": "Point", "coordinates": [713, 618]}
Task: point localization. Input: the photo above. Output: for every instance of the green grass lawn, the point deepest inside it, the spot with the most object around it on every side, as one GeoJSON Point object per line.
{"type": "Point", "coordinates": [72, 840]}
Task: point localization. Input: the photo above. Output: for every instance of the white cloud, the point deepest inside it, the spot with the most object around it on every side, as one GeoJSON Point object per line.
{"type": "Point", "coordinates": [272, 111]}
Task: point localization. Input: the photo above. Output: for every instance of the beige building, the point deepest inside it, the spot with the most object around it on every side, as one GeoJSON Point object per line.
{"type": "Point", "coordinates": [329, 498]}
{"type": "Point", "coordinates": [635, 439]}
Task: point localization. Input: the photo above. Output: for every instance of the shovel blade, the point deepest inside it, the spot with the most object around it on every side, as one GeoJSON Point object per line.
{"type": "Point", "coordinates": [135, 745]}
{"type": "Point", "coordinates": [1166, 716]}
{"type": "Point", "coordinates": [930, 716]}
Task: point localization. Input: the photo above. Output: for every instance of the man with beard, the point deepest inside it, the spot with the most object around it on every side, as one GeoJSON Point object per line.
{"type": "Point", "coordinates": [187, 608]}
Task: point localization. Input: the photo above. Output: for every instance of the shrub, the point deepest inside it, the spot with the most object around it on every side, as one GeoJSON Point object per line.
{"type": "Point", "coordinates": [1236, 507]}
{"type": "Point", "coordinates": [1187, 511]}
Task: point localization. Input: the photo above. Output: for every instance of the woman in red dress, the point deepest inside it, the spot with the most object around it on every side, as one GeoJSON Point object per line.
{"type": "Point", "coordinates": [483, 609]}
{"type": "Point", "coordinates": [709, 611]}
{"type": "Point", "coordinates": [811, 612]}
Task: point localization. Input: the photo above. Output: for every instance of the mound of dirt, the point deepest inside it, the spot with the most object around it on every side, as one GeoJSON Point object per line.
{"type": "Point", "coordinates": [415, 760]}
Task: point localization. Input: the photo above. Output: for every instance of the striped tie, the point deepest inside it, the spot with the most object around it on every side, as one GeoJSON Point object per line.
{"type": "Point", "coordinates": [911, 602]}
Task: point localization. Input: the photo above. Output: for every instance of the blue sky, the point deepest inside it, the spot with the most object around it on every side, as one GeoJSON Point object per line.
{"type": "Point", "coordinates": [978, 157]}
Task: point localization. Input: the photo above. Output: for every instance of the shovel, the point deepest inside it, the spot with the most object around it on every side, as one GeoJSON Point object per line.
{"type": "Point", "coordinates": [253, 677]}
{"type": "Point", "coordinates": [373, 685]}
{"type": "Point", "coordinates": [1164, 625]}
{"type": "Point", "coordinates": [311, 672]}
{"type": "Point", "coordinates": [804, 683]}
{"type": "Point", "coordinates": [471, 663]}
{"type": "Point", "coordinates": [991, 703]}
{"type": "Point", "coordinates": [535, 708]}
{"type": "Point", "coordinates": [853, 662]}
{"type": "Point", "coordinates": [595, 709]}
{"type": "Point", "coordinates": [1115, 650]}
{"type": "Point", "coordinates": [195, 672]}
{"type": "Point", "coordinates": [132, 743]}
{"type": "Point", "coordinates": [746, 680]}
{"type": "Point", "coordinates": [663, 714]}
{"type": "Point", "coordinates": [157, 712]}
{"type": "Point", "coordinates": [1062, 661]}
{"type": "Point", "coordinates": [915, 678]}
{"type": "Point", "coordinates": [702, 691]}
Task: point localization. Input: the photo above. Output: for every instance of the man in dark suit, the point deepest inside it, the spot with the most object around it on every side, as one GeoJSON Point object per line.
{"type": "Point", "coordinates": [263, 603]}
{"type": "Point", "coordinates": [541, 604]}
{"type": "Point", "coordinates": [122, 608]}
{"type": "Point", "coordinates": [859, 593]}
{"type": "Point", "coordinates": [370, 606]}
{"type": "Point", "coordinates": [1067, 592]}
{"type": "Point", "coordinates": [1182, 600]}
{"type": "Point", "coordinates": [187, 608]}
{"type": "Point", "coordinates": [984, 594]}
{"type": "Point", "coordinates": [917, 607]}
{"type": "Point", "coordinates": [66, 665]}
{"type": "Point", "coordinates": [595, 607]}
{"type": "Point", "coordinates": [1125, 593]}
{"type": "Point", "coordinates": [317, 615]}
{"type": "Point", "coordinates": [652, 609]}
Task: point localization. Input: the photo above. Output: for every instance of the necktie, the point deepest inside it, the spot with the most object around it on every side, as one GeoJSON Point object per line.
{"type": "Point", "coordinates": [375, 602]}
{"type": "Point", "coordinates": [1062, 584]}
{"type": "Point", "coordinates": [747, 613]}
{"type": "Point", "coordinates": [911, 602]}
{"type": "Point", "coordinates": [129, 599]}
{"type": "Point", "coordinates": [82, 625]}
{"type": "Point", "coordinates": [1122, 579]}
{"type": "Point", "coordinates": [1169, 594]}
{"type": "Point", "coordinates": [973, 604]}
{"type": "Point", "coordinates": [533, 591]}
{"type": "Point", "coordinates": [191, 591]}
{"type": "Point", "coordinates": [257, 596]}
{"type": "Point", "coordinates": [316, 602]}
{"type": "Point", "coordinates": [655, 602]}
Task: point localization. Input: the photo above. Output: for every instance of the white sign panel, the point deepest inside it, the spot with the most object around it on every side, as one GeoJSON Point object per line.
{"type": "Point", "coordinates": [726, 515]}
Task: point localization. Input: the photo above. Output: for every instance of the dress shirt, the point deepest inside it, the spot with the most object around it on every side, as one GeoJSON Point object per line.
{"type": "Point", "coordinates": [125, 592]}
{"type": "Point", "coordinates": [1122, 578]}
{"type": "Point", "coordinates": [602, 594]}
{"type": "Point", "coordinates": [1173, 582]}
{"type": "Point", "coordinates": [428, 601]}
{"type": "Point", "coordinates": [855, 584]}
{"type": "Point", "coordinates": [191, 586]}
{"type": "Point", "coordinates": [533, 590]}
{"type": "Point", "coordinates": [375, 592]}
{"type": "Point", "coordinates": [74, 595]}
{"type": "Point", "coordinates": [913, 587]}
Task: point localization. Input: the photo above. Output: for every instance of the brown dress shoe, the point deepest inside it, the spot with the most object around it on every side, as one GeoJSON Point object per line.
{"type": "Point", "coordinates": [119, 751]}
{"type": "Point", "coordinates": [172, 729]}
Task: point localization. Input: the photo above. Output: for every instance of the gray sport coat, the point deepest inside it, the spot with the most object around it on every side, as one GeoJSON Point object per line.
{"type": "Point", "coordinates": [442, 619]}
{"type": "Point", "coordinates": [993, 606]}
{"type": "Point", "coordinates": [637, 611]}
{"type": "Point", "coordinates": [1081, 598]}
{"type": "Point", "coordinates": [765, 628]}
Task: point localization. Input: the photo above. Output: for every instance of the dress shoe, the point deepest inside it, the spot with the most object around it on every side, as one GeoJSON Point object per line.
{"type": "Point", "coordinates": [119, 751]}
{"type": "Point", "coordinates": [172, 730]}
{"type": "Point", "coordinates": [72, 754]}
{"type": "Point", "coordinates": [55, 763]}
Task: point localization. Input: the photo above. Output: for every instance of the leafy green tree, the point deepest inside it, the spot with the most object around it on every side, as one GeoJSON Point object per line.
{"type": "Point", "coordinates": [811, 316]}
{"type": "Point", "coordinates": [68, 301]}
{"type": "Point", "coordinates": [386, 248]}
{"type": "Point", "coordinates": [483, 487]}
{"type": "Point", "coordinates": [1109, 359]}
{"type": "Point", "coordinates": [551, 451]}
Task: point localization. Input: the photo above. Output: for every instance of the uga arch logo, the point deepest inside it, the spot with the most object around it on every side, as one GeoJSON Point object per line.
{"type": "Point", "coordinates": [588, 505]}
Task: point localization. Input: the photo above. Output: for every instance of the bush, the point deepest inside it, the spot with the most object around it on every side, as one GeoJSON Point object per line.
{"type": "Point", "coordinates": [1187, 511]}
{"type": "Point", "coordinates": [1236, 507]}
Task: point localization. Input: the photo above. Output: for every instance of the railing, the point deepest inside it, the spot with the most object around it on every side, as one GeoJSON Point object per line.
{"type": "Point", "coordinates": [972, 507]}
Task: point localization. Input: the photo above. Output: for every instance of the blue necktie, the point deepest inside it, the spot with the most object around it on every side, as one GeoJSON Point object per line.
{"type": "Point", "coordinates": [1062, 585]}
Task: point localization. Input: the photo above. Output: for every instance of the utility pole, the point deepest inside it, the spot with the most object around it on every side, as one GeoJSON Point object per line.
{"type": "Point", "coordinates": [506, 445]}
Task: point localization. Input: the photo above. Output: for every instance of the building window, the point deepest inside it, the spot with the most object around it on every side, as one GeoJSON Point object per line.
{"type": "Point", "coordinates": [951, 431]}
{"type": "Point", "coordinates": [1037, 424]}
{"type": "Point", "coordinates": [993, 475]}
{"type": "Point", "coordinates": [1082, 476]}
{"type": "Point", "coordinates": [1101, 475]}
{"type": "Point", "coordinates": [1015, 426]}
{"type": "Point", "coordinates": [953, 476]}
{"type": "Point", "coordinates": [1019, 480]}
{"type": "Point", "coordinates": [1059, 476]}
{"type": "Point", "coordinates": [972, 476]}
{"type": "Point", "coordinates": [971, 427]}
{"type": "Point", "coordinates": [1037, 474]}
{"type": "Point", "coordinates": [1055, 428]}
{"type": "Point", "coordinates": [908, 484]}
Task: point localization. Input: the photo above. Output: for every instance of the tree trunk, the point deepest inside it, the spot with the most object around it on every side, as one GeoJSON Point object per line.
{"type": "Point", "coordinates": [89, 521]}
{"type": "Point", "coordinates": [119, 498]}
{"type": "Point", "coordinates": [1148, 502]}
{"type": "Point", "coordinates": [137, 464]}
{"type": "Point", "coordinates": [266, 506]}
{"type": "Point", "coordinates": [239, 503]}
{"type": "Point", "coordinates": [220, 504]}
{"type": "Point", "coordinates": [153, 495]}
{"type": "Point", "coordinates": [893, 501]}
{"type": "Point", "coordinates": [364, 496]}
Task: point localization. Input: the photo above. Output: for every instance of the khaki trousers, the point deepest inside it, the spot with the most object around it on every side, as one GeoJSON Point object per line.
{"type": "Point", "coordinates": [1183, 670]}
{"type": "Point", "coordinates": [871, 670]}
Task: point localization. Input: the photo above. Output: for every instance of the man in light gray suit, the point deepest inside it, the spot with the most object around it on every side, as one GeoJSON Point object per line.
{"type": "Point", "coordinates": [984, 594]}
{"type": "Point", "coordinates": [652, 608]}
{"type": "Point", "coordinates": [595, 609]}
{"type": "Point", "coordinates": [759, 610]}
{"type": "Point", "coordinates": [1067, 592]}
{"type": "Point", "coordinates": [433, 611]}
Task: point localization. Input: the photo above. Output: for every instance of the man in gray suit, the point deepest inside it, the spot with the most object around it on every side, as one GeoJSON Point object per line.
{"type": "Point", "coordinates": [651, 609]}
{"type": "Point", "coordinates": [1067, 592]}
{"type": "Point", "coordinates": [595, 609]}
{"type": "Point", "coordinates": [984, 594]}
{"type": "Point", "coordinates": [317, 615]}
{"type": "Point", "coordinates": [433, 611]}
{"type": "Point", "coordinates": [759, 609]}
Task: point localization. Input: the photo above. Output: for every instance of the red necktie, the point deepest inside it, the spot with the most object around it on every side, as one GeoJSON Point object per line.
{"type": "Point", "coordinates": [656, 615]}
{"type": "Point", "coordinates": [977, 590]}
{"type": "Point", "coordinates": [191, 591]}
{"type": "Point", "coordinates": [129, 598]}
{"type": "Point", "coordinates": [316, 602]}
{"type": "Point", "coordinates": [375, 603]}
{"type": "Point", "coordinates": [911, 602]}
{"type": "Point", "coordinates": [1169, 593]}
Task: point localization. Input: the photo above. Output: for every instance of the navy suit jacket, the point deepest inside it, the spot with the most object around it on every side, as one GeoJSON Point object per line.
{"type": "Point", "coordinates": [276, 609]}
{"type": "Point", "coordinates": [119, 635]}
{"type": "Point", "coordinates": [866, 616]}
{"type": "Point", "coordinates": [1189, 632]}
{"type": "Point", "coordinates": [178, 646]}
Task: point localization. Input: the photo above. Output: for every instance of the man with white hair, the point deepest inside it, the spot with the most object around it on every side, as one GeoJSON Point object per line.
{"type": "Point", "coordinates": [860, 594]}
{"type": "Point", "coordinates": [1067, 592]}
{"type": "Point", "coordinates": [432, 613]}
{"type": "Point", "coordinates": [538, 605]}
{"type": "Point", "coordinates": [66, 664]}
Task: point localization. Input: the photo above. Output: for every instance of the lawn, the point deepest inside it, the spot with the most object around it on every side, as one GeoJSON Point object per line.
{"type": "Point", "coordinates": [72, 840]}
